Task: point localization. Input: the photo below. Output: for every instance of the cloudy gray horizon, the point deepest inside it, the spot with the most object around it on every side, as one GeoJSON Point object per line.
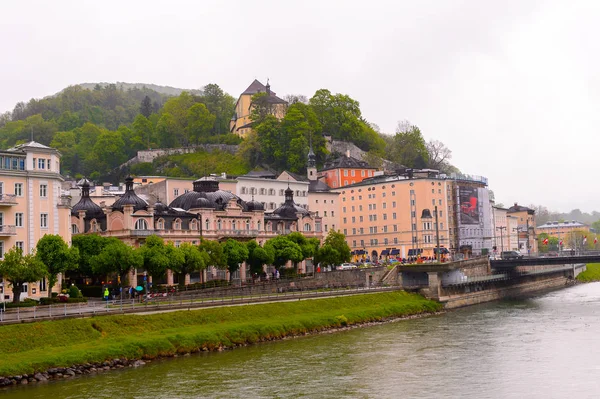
{"type": "Point", "coordinates": [508, 86]}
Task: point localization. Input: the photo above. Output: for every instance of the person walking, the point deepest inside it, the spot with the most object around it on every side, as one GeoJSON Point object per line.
{"type": "Point", "coordinates": [106, 294]}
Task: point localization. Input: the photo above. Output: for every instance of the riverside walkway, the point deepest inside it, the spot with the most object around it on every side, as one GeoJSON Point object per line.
{"type": "Point", "coordinates": [170, 303]}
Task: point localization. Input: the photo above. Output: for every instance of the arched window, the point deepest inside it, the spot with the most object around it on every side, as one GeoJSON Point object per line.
{"type": "Point", "coordinates": [141, 224]}
{"type": "Point", "coordinates": [160, 224]}
{"type": "Point", "coordinates": [194, 224]}
{"type": "Point", "coordinates": [74, 229]}
{"type": "Point", "coordinates": [206, 225]}
{"type": "Point", "coordinates": [177, 224]}
{"type": "Point", "coordinates": [258, 225]}
{"type": "Point", "coordinates": [247, 225]}
{"type": "Point", "coordinates": [233, 225]}
{"type": "Point", "coordinates": [307, 227]}
{"type": "Point", "coordinates": [94, 226]}
{"type": "Point", "coordinates": [219, 224]}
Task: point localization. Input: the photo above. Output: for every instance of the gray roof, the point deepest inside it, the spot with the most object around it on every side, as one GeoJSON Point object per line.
{"type": "Point", "coordinates": [568, 223]}
{"type": "Point", "coordinates": [317, 186]}
{"type": "Point", "coordinates": [346, 162]}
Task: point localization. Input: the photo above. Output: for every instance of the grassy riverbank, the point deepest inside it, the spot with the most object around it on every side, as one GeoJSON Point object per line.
{"type": "Point", "coordinates": [27, 348]}
{"type": "Point", "coordinates": [592, 273]}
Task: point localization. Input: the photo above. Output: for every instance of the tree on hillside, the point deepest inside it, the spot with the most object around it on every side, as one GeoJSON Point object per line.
{"type": "Point", "coordinates": [438, 154]}
{"type": "Point", "coordinates": [19, 269]}
{"type": "Point", "coordinates": [221, 105]}
{"type": "Point", "coordinates": [146, 107]}
{"type": "Point", "coordinates": [56, 256]}
{"type": "Point", "coordinates": [143, 134]}
{"type": "Point", "coordinates": [408, 147]}
{"type": "Point", "coordinates": [235, 253]}
{"type": "Point", "coordinates": [117, 257]}
{"type": "Point", "coordinates": [284, 250]}
{"type": "Point", "coordinates": [200, 122]}
{"type": "Point", "coordinates": [258, 257]}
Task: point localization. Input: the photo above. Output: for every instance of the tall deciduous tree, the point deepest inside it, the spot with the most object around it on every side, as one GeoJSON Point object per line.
{"type": "Point", "coordinates": [258, 257]}
{"type": "Point", "coordinates": [216, 256]}
{"type": "Point", "coordinates": [408, 147]}
{"type": "Point", "coordinates": [56, 256]}
{"type": "Point", "coordinates": [284, 250]}
{"type": "Point", "coordinates": [89, 245]}
{"type": "Point", "coordinates": [19, 269]}
{"type": "Point", "coordinates": [155, 256]}
{"type": "Point", "coordinates": [235, 253]}
{"type": "Point", "coordinates": [200, 122]}
{"type": "Point", "coordinates": [117, 257]}
{"type": "Point", "coordinates": [146, 107]}
{"type": "Point", "coordinates": [193, 260]}
{"type": "Point", "coordinates": [335, 249]}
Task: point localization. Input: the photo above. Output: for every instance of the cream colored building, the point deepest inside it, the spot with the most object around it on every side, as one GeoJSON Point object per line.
{"type": "Point", "coordinates": [240, 123]}
{"type": "Point", "coordinates": [31, 204]}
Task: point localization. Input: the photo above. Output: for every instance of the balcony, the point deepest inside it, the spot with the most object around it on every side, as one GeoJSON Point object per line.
{"type": "Point", "coordinates": [237, 233]}
{"type": "Point", "coordinates": [6, 230]}
{"type": "Point", "coordinates": [8, 199]}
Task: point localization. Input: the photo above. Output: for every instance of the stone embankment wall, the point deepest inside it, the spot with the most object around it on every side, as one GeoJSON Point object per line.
{"type": "Point", "coordinates": [151, 155]}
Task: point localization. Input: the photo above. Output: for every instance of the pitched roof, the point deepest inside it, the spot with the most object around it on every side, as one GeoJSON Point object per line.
{"type": "Point", "coordinates": [255, 87]}
{"type": "Point", "coordinates": [520, 208]}
{"type": "Point", "coordinates": [346, 162]}
{"type": "Point", "coordinates": [317, 186]}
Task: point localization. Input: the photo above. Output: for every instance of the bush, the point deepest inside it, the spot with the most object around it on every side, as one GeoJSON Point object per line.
{"type": "Point", "coordinates": [94, 291]}
{"type": "Point", "coordinates": [25, 303]}
{"type": "Point", "coordinates": [74, 292]}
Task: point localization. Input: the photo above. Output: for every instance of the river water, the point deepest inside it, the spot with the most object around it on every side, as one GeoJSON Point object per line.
{"type": "Point", "coordinates": [544, 347]}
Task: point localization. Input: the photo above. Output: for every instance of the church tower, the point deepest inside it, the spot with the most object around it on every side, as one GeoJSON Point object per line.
{"type": "Point", "coordinates": [311, 165]}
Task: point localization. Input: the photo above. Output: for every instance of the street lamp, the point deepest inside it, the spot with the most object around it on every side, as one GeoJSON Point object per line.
{"type": "Point", "coordinates": [501, 228]}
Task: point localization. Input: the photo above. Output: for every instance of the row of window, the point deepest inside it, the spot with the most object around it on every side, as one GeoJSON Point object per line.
{"type": "Point", "coordinates": [12, 163]}
{"type": "Point", "coordinates": [270, 191]}
{"type": "Point", "coordinates": [19, 219]}
{"type": "Point", "coordinates": [374, 229]}
{"type": "Point", "coordinates": [42, 163]}
{"type": "Point", "coordinates": [362, 173]}
{"type": "Point", "coordinates": [19, 189]}
{"type": "Point", "coordinates": [427, 239]}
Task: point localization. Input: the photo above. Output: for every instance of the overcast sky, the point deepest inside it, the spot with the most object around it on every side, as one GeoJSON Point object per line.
{"type": "Point", "coordinates": [511, 87]}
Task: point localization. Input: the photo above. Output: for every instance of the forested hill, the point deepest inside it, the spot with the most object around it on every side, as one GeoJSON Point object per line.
{"type": "Point", "coordinates": [97, 127]}
{"type": "Point", "coordinates": [168, 90]}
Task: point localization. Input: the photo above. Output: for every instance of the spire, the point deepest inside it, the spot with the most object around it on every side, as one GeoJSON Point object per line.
{"type": "Point", "coordinates": [312, 159]}
{"type": "Point", "coordinates": [268, 87]}
{"type": "Point", "coordinates": [129, 183]}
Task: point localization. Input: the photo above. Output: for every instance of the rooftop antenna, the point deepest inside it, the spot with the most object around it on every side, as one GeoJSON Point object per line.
{"type": "Point", "coordinates": [31, 133]}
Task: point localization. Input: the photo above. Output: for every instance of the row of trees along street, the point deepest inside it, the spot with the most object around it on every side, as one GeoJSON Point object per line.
{"type": "Point", "coordinates": [96, 257]}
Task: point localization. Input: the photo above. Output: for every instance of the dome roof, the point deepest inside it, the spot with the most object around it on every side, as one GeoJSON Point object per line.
{"type": "Point", "coordinates": [129, 198]}
{"type": "Point", "coordinates": [255, 206]}
{"type": "Point", "coordinates": [289, 209]}
{"type": "Point", "coordinates": [206, 194]}
{"type": "Point", "coordinates": [92, 210]}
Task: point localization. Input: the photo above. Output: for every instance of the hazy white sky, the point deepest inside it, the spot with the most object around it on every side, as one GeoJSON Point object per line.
{"type": "Point", "coordinates": [511, 87]}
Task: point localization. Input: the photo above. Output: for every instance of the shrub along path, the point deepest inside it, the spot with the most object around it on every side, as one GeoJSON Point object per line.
{"type": "Point", "coordinates": [28, 348]}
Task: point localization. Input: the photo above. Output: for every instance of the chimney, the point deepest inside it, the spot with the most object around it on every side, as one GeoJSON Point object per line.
{"type": "Point", "coordinates": [347, 153]}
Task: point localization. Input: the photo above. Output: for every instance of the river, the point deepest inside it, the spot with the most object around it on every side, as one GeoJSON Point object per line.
{"type": "Point", "coordinates": [543, 347]}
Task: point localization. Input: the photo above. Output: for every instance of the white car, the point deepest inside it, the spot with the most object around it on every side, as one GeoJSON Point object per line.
{"type": "Point", "coordinates": [346, 266]}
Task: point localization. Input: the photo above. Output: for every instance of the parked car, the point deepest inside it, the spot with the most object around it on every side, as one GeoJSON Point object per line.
{"type": "Point", "coordinates": [511, 255]}
{"type": "Point", "coordinates": [346, 266]}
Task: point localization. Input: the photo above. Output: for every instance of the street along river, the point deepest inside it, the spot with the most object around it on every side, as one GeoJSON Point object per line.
{"type": "Point", "coordinates": [543, 347]}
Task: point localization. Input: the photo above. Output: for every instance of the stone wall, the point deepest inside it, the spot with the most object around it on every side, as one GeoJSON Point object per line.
{"type": "Point", "coordinates": [151, 155]}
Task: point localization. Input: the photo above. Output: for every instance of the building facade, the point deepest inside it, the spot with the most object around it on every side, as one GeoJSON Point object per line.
{"type": "Point", "coordinates": [31, 204]}
{"type": "Point", "coordinates": [345, 171]}
{"type": "Point", "coordinates": [526, 227]}
{"type": "Point", "coordinates": [240, 123]}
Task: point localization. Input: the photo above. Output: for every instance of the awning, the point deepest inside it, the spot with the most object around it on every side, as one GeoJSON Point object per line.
{"type": "Point", "coordinates": [358, 252]}
{"type": "Point", "coordinates": [385, 252]}
{"type": "Point", "coordinates": [395, 252]}
{"type": "Point", "coordinates": [442, 250]}
{"type": "Point", "coordinates": [353, 253]}
{"type": "Point", "coordinates": [415, 252]}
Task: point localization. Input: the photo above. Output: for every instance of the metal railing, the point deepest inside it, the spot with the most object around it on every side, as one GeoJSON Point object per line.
{"type": "Point", "coordinates": [8, 230]}
{"type": "Point", "coordinates": [8, 199]}
{"type": "Point", "coordinates": [178, 301]}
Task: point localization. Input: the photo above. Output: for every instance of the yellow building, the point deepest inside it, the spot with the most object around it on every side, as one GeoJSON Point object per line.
{"type": "Point", "coordinates": [240, 123]}
{"type": "Point", "coordinates": [526, 227]}
{"type": "Point", "coordinates": [562, 229]}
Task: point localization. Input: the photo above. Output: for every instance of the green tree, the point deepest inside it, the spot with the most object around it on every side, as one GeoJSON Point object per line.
{"type": "Point", "coordinates": [216, 255]}
{"type": "Point", "coordinates": [335, 249]}
{"type": "Point", "coordinates": [235, 253]}
{"type": "Point", "coordinates": [117, 257]}
{"type": "Point", "coordinates": [19, 270]}
{"type": "Point", "coordinates": [56, 256]}
{"type": "Point", "coordinates": [155, 256]}
{"type": "Point", "coordinates": [408, 147]}
{"type": "Point", "coordinates": [146, 107]}
{"type": "Point", "coordinates": [284, 250]}
{"type": "Point", "coordinates": [221, 105]}
{"type": "Point", "coordinates": [89, 245]}
{"type": "Point", "coordinates": [143, 133]}
{"type": "Point", "coordinates": [258, 257]}
{"type": "Point", "coordinates": [200, 122]}
{"type": "Point", "coordinates": [169, 132]}
{"type": "Point", "coordinates": [193, 260]}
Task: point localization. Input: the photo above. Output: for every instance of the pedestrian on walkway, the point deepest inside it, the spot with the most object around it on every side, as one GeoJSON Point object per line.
{"type": "Point", "coordinates": [106, 294]}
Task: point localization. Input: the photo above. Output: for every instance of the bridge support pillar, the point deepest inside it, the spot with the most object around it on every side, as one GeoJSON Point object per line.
{"type": "Point", "coordinates": [435, 282]}
{"type": "Point", "coordinates": [400, 281]}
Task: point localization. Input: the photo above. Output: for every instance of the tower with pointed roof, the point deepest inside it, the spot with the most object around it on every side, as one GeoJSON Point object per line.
{"type": "Point", "coordinates": [240, 123]}
{"type": "Point", "coordinates": [311, 164]}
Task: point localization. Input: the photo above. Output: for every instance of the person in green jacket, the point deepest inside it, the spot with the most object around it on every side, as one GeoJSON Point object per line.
{"type": "Point", "coordinates": [106, 294]}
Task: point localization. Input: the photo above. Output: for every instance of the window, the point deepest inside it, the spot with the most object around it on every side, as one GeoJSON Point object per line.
{"type": "Point", "coordinates": [345, 232]}
{"type": "Point", "coordinates": [233, 227]}
{"type": "Point", "coordinates": [345, 221]}
{"type": "Point", "coordinates": [354, 230]}
{"type": "Point", "coordinates": [344, 209]}
{"type": "Point", "coordinates": [44, 220]}
{"type": "Point", "coordinates": [395, 227]}
{"type": "Point", "coordinates": [384, 205]}
{"type": "Point", "coordinates": [43, 190]}
{"type": "Point", "coordinates": [19, 189]}
{"type": "Point", "coordinates": [440, 213]}
{"type": "Point", "coordinates": [353, 243]}
{"type": "Point", "coordinates": [433, 202]}
{"type": "Point", "coordinates": [41, 163]}
{"type": "Point", "coordinates": [414, 226]}
{"type": "Point", "coordinates": [325, 213]}
{"type": "Point", "coordinates": [353, 219]}
{"type": "Point", "coordinates": [427, 239]}
{"type": "Point", "coordinates": [307, 227]}
{"type": "Point", "coordinates": [34, 161]}
{"type": "Point", "coordinates": [393, 204]}
{"type": "Point", "coordinates": [360, 208]}
{"type": "Point", "coordinates": [160, 224]}
{"type": "Point", "coordinates": [413, 214]}
{"type": "Point", "coordinates": [394, 215]}
{"type": "Point", "coordinates": [332, 214]}
{"type": "Point", "coordinates": [362, 173]}
{"type": "Point", "coordinates": [346, 173]}
{"type": "Point", "coordinates": [1, 249]}
{"type": "Point", "coordinates": [281, 192]}
{"type": "Point", "coordinates": [442, 226]}
{"type": "Point", "coordinates": [385, 216]}
{"type": "Point", "coordinates": [395, 240]}
{"type": "Point", "coordinates": [412, 202]}
{"type": "Point", "coordinates": [176, 192]}
{"type": "Point", "coordinates": [385, 229]}
{"type": "Point", "coordinates": [141, 224]}
{"type": "Point", "coordinates": [440, 202]}
{"type": "Point", "coordinates": [20, 245]}
{"type": "Point", "coordinates": [325, 227]}
{"type": "Point", "coordinates": [177, 244]}
{"type": "Point", "coordinates": [352, 173]}
{"type": "Point", "coordinates": [360, 219]}
{"type": "Point", "coordinates": [426, 225]}
{"type": "Point", "coordinates": [385, 241]}
{"type": "Point", "coordinates": [74, 229]}
{"type": "Point", "coordinates": [362, 243]}
{"type": "Point", "coordinates": [19, 219]}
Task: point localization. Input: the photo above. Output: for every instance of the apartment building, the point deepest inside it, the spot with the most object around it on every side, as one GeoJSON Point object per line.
{"type": "Point", "coordinates": [396, 215]}
{"type": "Point", "coordinates": [526, 227]}
{"type": "Point", "coordinates": [31, 204]}
{"type": "Point", "coordinates": [345, 171]}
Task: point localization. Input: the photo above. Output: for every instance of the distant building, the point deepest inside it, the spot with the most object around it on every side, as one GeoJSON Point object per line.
{"type": "Point", "coordinates": [561, 230]}
{"type": "Point", "coordinates": [240, 123]}
{"type": "Point", "coordinates": [526, 227]}
{"type": "Point", "coordinates": [345, 171]}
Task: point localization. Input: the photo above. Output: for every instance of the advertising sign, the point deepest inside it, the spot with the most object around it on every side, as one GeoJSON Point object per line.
{"type": "Point", "coordinates": [469, 205]}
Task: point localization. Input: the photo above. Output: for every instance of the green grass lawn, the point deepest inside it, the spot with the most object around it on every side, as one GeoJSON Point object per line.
{"type": "Point", "coordinates": [592, 273]}
{"type": "Point", "coordinates": [38, 346]}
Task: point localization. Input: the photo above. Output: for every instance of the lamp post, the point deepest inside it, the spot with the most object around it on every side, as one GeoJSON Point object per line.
{"type": "Point", "coordinates": [518, 243]}
{"type": "Point", "coordinates": [501, 228]}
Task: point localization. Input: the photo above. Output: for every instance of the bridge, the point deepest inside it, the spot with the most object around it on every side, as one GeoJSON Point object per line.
{"type": "Point", "coordinates": [587, 257]}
